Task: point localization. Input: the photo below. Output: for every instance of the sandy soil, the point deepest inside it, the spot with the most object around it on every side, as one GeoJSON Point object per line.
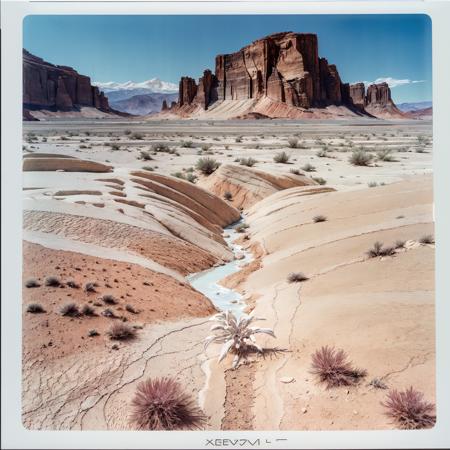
{"type": "Point", "coordinates": [137, 233]}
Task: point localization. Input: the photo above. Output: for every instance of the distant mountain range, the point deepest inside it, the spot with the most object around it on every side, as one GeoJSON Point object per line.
{"type": "Point", "coordinates": [141, 98]}
{"type": "Point", "coordinates": [143, 104]}
{"type": "Point", "coordinates": [415, 106]}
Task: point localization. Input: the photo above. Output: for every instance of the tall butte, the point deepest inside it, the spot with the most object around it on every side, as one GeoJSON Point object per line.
{"type": "Point", "coordinates": [280, 75]}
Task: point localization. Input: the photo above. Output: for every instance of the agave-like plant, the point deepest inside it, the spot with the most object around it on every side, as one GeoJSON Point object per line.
{"type": "Point", "coordinates": [236, 335]}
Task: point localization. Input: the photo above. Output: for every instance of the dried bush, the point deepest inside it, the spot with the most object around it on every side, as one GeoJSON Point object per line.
{"type": "Point", "coordinates": [160, 147]}
{"type": "Point", "coordinates": [121, 332]}
{"type": "Point", "coordinates": [399, 243]}
{"type": "Point", "coordinates": [296, 277]}
{"type": "Point", "coordinates": [295, 171]}
{"type": "Point", "coordinates": [137, 136]}
{"type": "Point", "coordinates": [240, 228]}
{"type": "Point", "coordinates": [385, 155]}
{"type": "Point", "coordinates": [319, 218]}
{"type": "Point", "coordinates": [377, 383]}
{"type": "Point", "coordinates": [249, 162]}
{"type": "Point", "coordinates": [207, 165]}
{"type": "Point", "coordinates": [320, 180]}
{"type": "Point", "coordinates": [379, 250]}
{"type": "Point", "coordinates": [35, 308]}
{"type": "Point", "coordinates": [161, 404]}
{"type": "Point", "coordinates": [32, 283]}
{"type": "Point", "coordinates": [108, 313]}
{"type": "Point", "coordinates": [109, 299]}
{"type": "Point", "coordinates": [322, 153]}
{"type": "Point", "coordinates": [191, 177]}
{"type": "Point", "coordinates": [187, 144]}
{"type": "Point", "coordinates": [427, 239]}
{"type": "Point", "coordinates": [333, 368]}
{"type": "Point", "coordinates": [361, 158]}
{"type": "Point", "coordinates": [145, 155]}
{"type": "Point", "coordinates": [90, 286]}
{"type": "Point", "coordinates": [70, 309]}
{"type": "Point", "coordinates": [409, 410]}
{"type": "Point", "coordinates": [131, 309]}
{"type": "Point", "coordinates": [281, 158]}
{"type": "Point", "coordinates": [72, 284]}
{"type": "Point", "coordinates": [88, 310]}
{"type": "Point", "coordinates": [92, 333]}
{"type": "Point", "coordinates": [228, 195]}
{"type": "Point", "coordinates": [308, 168]}
{"type": "Point", "coordinates": [293, 142]}
{"type": "Point", "coordinates": [52, 281]}
{"type": "Point", "coordinates": [236, 335]}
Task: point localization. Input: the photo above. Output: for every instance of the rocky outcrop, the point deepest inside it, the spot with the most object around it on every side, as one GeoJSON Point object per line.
{"type": "Point", "coordinates": [285, 68]}
{"type": "Point", "coordinates": [378, 102]}
{"type": "Point", "coordinates": [45, 163]}
{"type": "Point", "coordinates": [48, 86]}
{"type": "Point", "coordinates": [248, 185]}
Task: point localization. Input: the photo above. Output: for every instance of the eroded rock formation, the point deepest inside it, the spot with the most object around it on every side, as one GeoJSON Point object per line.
{"type": "Point", "coordinates": [285, 68]}
{"type": "Point", "coordinates": [57, 87]}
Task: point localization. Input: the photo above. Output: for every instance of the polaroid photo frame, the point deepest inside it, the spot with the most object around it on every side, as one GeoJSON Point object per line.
{"type": "Point", "coordinates": [224, 224]}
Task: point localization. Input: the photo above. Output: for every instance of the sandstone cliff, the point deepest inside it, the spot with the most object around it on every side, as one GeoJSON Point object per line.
{"type": "Point", "coordinates": [280, 72]}
{"type": "Point", "coordinates": [60, 88]}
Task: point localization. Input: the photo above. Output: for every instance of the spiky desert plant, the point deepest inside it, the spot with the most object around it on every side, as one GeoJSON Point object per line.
{"type": "Point", "coordinates": [72, 284]}
{"type": "Point", "coordinates": [70, 309]}
{"type": "Point", "coordinates": [379, 250]}
{"type": "Point", "coordinates": [361, 158]}
{"type": "Point", "coordinates": [293, 142]}
{"type": "Point", "coordinates": [109, 299]}
{"type": "Point", "coordinates": [161, 404]}
{"type": "Point", "coordinates": [145, 155]}
{"type": "Point", "coordinates": [88, 310]}
{"type": "Point", "coordinates": [207, 165]}
{"type": "Point", "coordinates": [333, 368]}
{"type": "Point", "coordinates": [319, 218]}
{"type": "Point", "coordinates": [35, 308]}
{"type": "Point", "coordinates": [281, 158]}
{"type": "Point", "coordinates": [249, 162]}
{"type": "Point", "coordinates": [121, 332]}
{"type": "Point", "coordinates": [236, 335]}
{"type": "Point", "coordinates": [409, 410]}
{"type": "Point", "coordinates": [320, 180]}
{"type": "Point", "coordinates": [308, 168]}
{"type": "Point", "coordinates": [52, 281]}
{"type": "Point", "coordinates": [427, 239]}
{"type": "Point", "coordinates": [296, 277]}
{"type": "Point", "coordinates": [32, 283]}
{"type": "Point", "coordinates": [385, 155]}
{"type": "Point", "coordinates": [90, 286]}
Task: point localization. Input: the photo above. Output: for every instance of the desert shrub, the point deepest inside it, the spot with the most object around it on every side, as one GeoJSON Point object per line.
{"type": "Point", "coordinates": [108, 313]}
{"type": "Point", "coordinates": [228, 195]}
{"type": "Point", "coordinates": [308, 168]}
{"type": "Point", "coordinates": [121, 332]}
{"type": "Point", "coordinates": [385, 155]}
{"type": "Point", "coordinates": [293, 142]}
{"type": "Point", "coordinates": [145, 155]}
{"type": "Point", "coordinates": [70, 309]}
{"type": "Point", "coordinates": [420, 150]}
{"type": "Point", "coordinates": [72, 284]}
{"type": "Point", "coordinates": [126, 132]}
{"type": "Point", "coordinates": [92, 333]}
{"type": "Point", "coordinates": [109, 299]}
{"type": "Point", "coordinates": [114, 146]}
{"type": "Point", "coordinates": [240, 228]}
{"type": "Point", "coordinates": [333, 368]}
{"type": "Point", "coordinates": [295, 171]}
{"type": "Point", "coordinates": [149, 168]}
{"type": "Point", "coordinates": [236, 335]}
{"type": "Point", "coordinates": [281, 158]}
{"type": "Point", "coordinates": [372, 184]}
{"type": "Point", "coordinates": [158, 147]}
{"type": "Point", "coordinates": [131, 309]}
{"type": "Point", "coordinates": [322, 153]}
{"type": "Point", "coordinates": [35, 308]}
{"type": "Point", "coordinates": [206, 147]}
{"type": "Point", "coordinates": [320, 180]}
{"type": "Point", "coordinates": [137, 136]}
{"type": "Point", "coordinates": [296, 277]}
{"type": "Point", "coordinates": [187, 144]}
{"type": "Point", "coordinates": [379, 250]}
{"type": "Point", "coordinates": [249, 162]}
{"type": "Point", "coordinates": [90, 286]}
{"type": "Point", "coordinates": [399, 243]}
{"type": "Point", "coordinates": [377, 383]}
{"type": "Point", "coordinates": [238, 139]}
{"type": "Point", "coordinates": [191, 177]}
{"type": "Point", "coordinates": [161, 404]}
{"type": "Point", "coordinates": [361, 158]}
{"type": "Point", "coordinates": [52, 281]}
{"type": "Point", "coordinates": [207, 165]}
{"type": "Point", "coordinates": [32, 283]}
{"type": "Point", "coordinates": [319, 218]}
{"type": "Point", "coordinates": [409, 410]}
{"type": "Point", "coordinates": [88, 310]}
{"type": "Point", "coordinates": [178, 175]}
{"type": "Point", "coordinates": [82, 146]}
{"type": "Point", "coordinates": [427, 239]}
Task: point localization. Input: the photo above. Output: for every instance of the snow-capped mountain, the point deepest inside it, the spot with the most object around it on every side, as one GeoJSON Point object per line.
{"type": "Point", "coordinates": [154, 85]}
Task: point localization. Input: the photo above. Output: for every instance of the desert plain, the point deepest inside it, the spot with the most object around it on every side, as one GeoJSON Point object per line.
{"type": "Point", "coordinates": [119, 214]}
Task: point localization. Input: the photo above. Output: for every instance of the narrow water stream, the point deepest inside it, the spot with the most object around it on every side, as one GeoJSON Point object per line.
{"type": "Point", "coordinates": [207, 281]}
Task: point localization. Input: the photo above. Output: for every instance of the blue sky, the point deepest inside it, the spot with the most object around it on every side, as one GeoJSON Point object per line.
{"type": "Point", "coordinates": [137, 48]}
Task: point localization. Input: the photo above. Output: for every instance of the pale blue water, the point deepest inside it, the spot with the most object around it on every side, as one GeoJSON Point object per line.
{"type": "Point", "coordinates": [206, 282]}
